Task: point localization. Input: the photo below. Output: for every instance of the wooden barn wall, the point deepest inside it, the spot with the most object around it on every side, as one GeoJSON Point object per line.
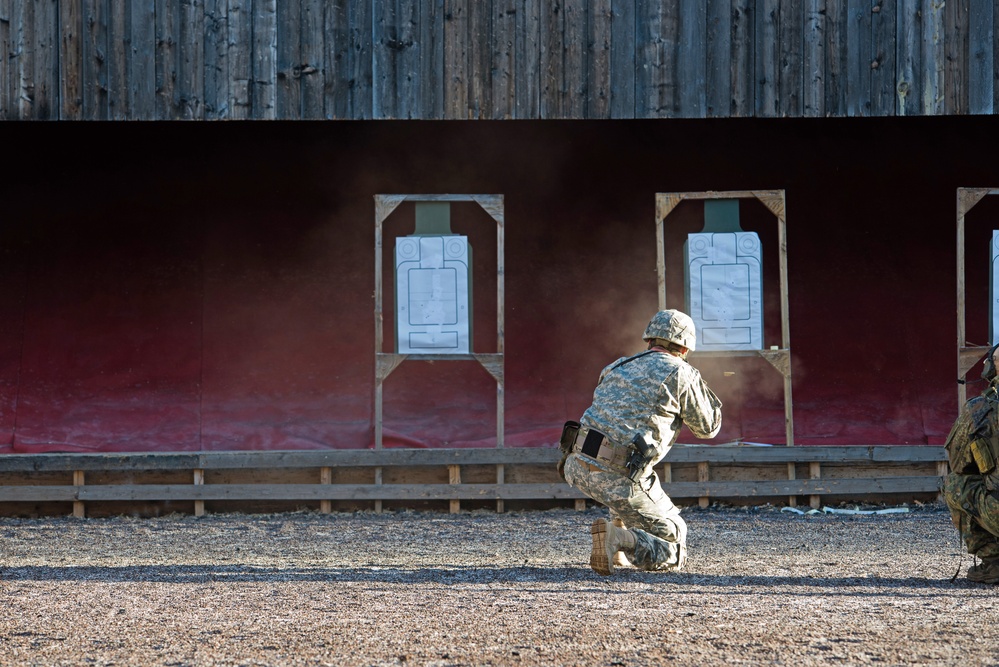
{"type": "Point", "coordinates": [495, 59]}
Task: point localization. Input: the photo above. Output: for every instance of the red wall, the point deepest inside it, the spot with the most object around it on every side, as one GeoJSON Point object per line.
{"type": "Point", "coordinates": [210, 286]}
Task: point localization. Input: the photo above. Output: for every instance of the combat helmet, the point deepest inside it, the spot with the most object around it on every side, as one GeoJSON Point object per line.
{"type": "Point", "coordinates": [672, 325]}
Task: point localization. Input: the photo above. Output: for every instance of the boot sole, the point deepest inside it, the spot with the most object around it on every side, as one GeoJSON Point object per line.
{"type": "Point", "coordinates": [599, 560]}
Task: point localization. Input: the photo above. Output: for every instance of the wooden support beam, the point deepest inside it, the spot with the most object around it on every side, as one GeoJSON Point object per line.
{"type": "Point", "coordinates": [792, 501]}
{"type": "Point", "coordinates": [199, 480]}
{"type": "Point", "coordinates": [500, 479]}
{"type": "Point", "coordinates": [703, 475]}
{"type": "Point", "coordinates": [326, 477]}
{"type": "Point", "coordinates": [815, 472]}
{"type": "Point", "coordinates": [943, 468]}
{"type": "Point", "coordinates": [454, 477]}
{"type": "Point", "coordinates": [79, 511]}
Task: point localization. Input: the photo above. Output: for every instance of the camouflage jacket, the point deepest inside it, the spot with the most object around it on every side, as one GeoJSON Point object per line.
{"type": "Point", "coordinates": [653, 394]}
{"type": "Point", "coordinates": [973, 442]}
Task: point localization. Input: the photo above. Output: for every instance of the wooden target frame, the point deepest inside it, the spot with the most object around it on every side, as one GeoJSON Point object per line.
{"type": "Point", "coordinates": [386, 362]}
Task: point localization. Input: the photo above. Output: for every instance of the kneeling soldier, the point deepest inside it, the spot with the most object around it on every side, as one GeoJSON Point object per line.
{"type": "Point", "coordinates": [639, 405]}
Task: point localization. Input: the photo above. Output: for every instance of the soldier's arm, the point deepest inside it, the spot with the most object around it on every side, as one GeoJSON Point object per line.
{"type": "Point", "coordinates": [700, 408]}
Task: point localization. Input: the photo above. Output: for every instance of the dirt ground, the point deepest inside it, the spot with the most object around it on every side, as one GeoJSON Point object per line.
{"type": "Point", "coordinates": [478, 588]}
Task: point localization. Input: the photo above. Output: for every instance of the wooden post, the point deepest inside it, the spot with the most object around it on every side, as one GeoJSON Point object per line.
{"type": "Point", "coordinates": [78, 508]}
{"type": "Point", "coordinates": [703, 475]}
{"type": "Point", "coordinates": [792, 501]}
{"type": "Point", "coordinates": [942, 469]}
{"type": "Point", "coordinates": [815, 472]}
{"type": "Point", "coordinates": [199, 479]}
{"type": "Point", "coordinates": [454, 477]}
{"type": "Point", "coordinates": [326, 477]}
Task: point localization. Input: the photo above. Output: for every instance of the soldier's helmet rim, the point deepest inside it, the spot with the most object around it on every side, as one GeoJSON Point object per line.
{"type": "Point", "coordinates": [672, 325]}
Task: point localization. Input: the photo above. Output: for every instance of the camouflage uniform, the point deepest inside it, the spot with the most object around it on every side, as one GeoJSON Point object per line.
{"type": "Point", "coordinates": [651, 394]}
{"type": "Point", "coordinates": [971, 490]}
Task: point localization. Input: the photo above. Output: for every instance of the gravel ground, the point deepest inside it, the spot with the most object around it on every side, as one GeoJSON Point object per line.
{"type": "Point", "coordinates": [414, 588]}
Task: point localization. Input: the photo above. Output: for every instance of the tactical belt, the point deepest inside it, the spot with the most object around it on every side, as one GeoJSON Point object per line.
{"type": "Point", "coordinates": [591, 442]}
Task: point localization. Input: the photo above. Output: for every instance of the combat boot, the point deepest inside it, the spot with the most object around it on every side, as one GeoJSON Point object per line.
{"type": "Point", "coordinates": [608, 539]}
{"type": "Point", "coordinates": [620, 559]}
{"type": "Point", "coordinates": [986, 572]}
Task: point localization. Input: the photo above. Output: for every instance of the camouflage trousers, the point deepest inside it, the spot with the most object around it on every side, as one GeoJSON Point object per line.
{"type": "Point", "coordinates": [643, 506]}
{"type": "Point", "coordinates": [974, 509]}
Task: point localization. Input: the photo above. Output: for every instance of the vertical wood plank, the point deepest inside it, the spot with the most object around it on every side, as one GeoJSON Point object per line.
{"type": "Point", "coordinates": [480, 85]}
{"type": "Point", "coordinates": [703, 475]}
{"type": "Point", "coordinates": [263, 91]}
{"type": "Point", "coordinates": [313, 68]}
{"type": "Point", "coordinates": [141, 59]}
{"type": "Point", "coordinates": [527, 64]}
{"type": "Point", "coordinates": [7, 47]}
{"type": "Point", "coordinates": [361, 61]}
{"type": "Point", "coordinates": [657, 45]}
{"type": "Point", "coordinates": [504, 58]}
{"type": "Point", "coordinates": [288, 89]}
{"type": "Point", "coordinates": [934, 62]}
{"type": "Point", "coordinates": [455, 59]}
{"type": "Point", "coordinates": [743, 88]}
{"type": "Point", "coordinates": [431, 77]}
{"type": "Point", "coordinates": [240, 37]}
{"type": "Point", "coordinates": [167, 58]}
{"type": "Point", "coordinates": [718, 57]}
{"type": "Point", "coordinates": [836, 58]}
{"type": "Point", "coordinates": [883, 61]}
{"type": "Point", "coordinates": [386, 46]}
{"type": "Point", "coordinates": [623, 62]}
{"type": "Point", "coordinates": [119, 45]}
{"type": "Point", "coordinates": [410, 52]}
{"type": "Point", "coordinates": [691, 60]}
{"type": "Point", "coordinates": [792, 501]}
{"type": "Point", "coordinates": [815, 472]}
{"type": "Point", "coordinates": [957, 59]}
{"type": "Point", "coordinates": [199, 479]}
{"type": "Point", "coordinates": [191, 61]}
{"type": "Point", "coordinates": [326, 477]}
{"type": "Point", "coordinates": [598, 59]}
{"type": "Point", "coordinates": [79, 508]}
{"type": "Point", "coordinates": [791, 58]}
{"type": "Point", "coordinates": [981, 57]}
{"type": "Point", "coordinates": [767, 54]}
{"type": "Point", "coordinates": [45, 77]}
{"type": "Point", "coordinates": [859, 57]}
{"type": "Point", "coordinates": [576, 68]}
{"type": "Point", "coordinates": [454, 477]}
{"type": "Point", "coordinates": [339, 56]}
{"type": "Point", "coordinates": [216, 73]}
{"type": "Point", "coordinates": [814, 97]}
{"type": "Point", "coordinates": [71, 40]}
{"type": "Point", "coordinates": [167, 36]}
{"type": "Point", "coordinates": [909, 64]}
{"type": "Point", "coordinates": [552, 60]}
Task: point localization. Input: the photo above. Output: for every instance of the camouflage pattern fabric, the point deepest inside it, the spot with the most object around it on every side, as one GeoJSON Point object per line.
{"type": "Point", "coordinates": [971, 490]}
{"type": "Point", "coordinates": [651, 395]}
{"type": "Point", "coordinates": [643, 507]}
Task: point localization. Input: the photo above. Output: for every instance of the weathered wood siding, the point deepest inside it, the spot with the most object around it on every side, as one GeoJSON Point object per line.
{"type": "Point", "coordinates": [495, 59]}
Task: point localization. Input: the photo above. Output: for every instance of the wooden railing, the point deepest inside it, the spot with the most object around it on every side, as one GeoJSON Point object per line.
{"type": "Point", "coordinates": [750, 474]}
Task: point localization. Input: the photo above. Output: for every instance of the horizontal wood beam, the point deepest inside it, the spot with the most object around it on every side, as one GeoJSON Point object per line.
{"type": "Point", "coordinates": [432, 457]}
{"type": "Point", "coordinates": [203, 492]}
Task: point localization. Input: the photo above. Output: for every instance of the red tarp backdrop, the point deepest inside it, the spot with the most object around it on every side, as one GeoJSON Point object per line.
{"type": "Point", "coordinates": [210, 286]}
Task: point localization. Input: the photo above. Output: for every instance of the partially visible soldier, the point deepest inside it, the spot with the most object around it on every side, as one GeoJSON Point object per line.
{"type": "Point", "coordinates": [971, 490]}
{"type": "Point", "coordinates": [639, 406]}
